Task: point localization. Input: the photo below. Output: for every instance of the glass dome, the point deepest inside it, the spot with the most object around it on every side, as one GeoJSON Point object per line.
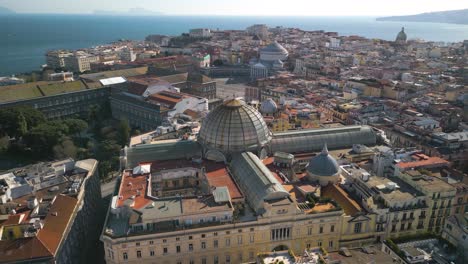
{"type": "Point", "coordinates": [234, 127]}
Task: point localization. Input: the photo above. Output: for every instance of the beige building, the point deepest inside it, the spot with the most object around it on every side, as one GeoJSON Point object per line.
{"type": "Point", "coordinates": [80, 62]}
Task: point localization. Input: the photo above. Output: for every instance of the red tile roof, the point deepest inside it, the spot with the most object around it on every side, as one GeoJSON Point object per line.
{"type": "Point", "coordinates": [22, 249]}
{"type": "Point", "coordinates": [134, 186]}
{"type": "Point", "coordinates": [421, 160]}
{"type": "Point", "coordinates": [56, 222]}
{"type": "Point", "coordinates": [349, 205]}
{"type": "Point", "coordinates": [218, 176]}
{"type": "Point", "coordinates": [216, 173]}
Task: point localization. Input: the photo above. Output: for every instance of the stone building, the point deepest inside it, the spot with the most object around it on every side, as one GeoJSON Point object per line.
{"type": "Point", "coordinates": [56, 221]}
{"type": "Point", "coordinates": [223, 198]}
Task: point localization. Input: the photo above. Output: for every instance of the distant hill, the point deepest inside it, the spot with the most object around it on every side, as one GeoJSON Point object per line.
{"type": "Point", "coordinates": [452, 17]}
{"type": "Point", "coordinates": [131, 12]}
{"type": "Point", "coordinates": [4, 11]}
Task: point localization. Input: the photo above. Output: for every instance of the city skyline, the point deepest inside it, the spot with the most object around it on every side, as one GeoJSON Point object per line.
{"type": "Point", "coordinates": [262, 8]}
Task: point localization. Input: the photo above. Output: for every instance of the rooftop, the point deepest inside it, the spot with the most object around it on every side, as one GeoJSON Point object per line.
{"type": "Point", "coordinates": [420, 160]}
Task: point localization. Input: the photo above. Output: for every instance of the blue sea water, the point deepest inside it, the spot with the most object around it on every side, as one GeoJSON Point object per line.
{"type": "Point", "coordinates": [24, 38]}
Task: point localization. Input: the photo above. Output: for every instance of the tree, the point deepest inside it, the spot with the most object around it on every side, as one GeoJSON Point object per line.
{"type": "Point", "coordinates": [16, 121]}
{"type": "Point", "coordinates": [124, 132]}
{"type": "Point", "coordinates": [43, 137]}
{"type": "Point", "coordinates": [66, 149]}
{"type": "Point", "coordinates": [76, 126]}
{"type": "Point", "coordinates": [22, 126]}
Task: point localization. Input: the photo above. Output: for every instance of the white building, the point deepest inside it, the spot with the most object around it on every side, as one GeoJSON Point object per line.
{"type": "Point", "coordinates": [127, 54]}
{"type": "Point", "coordinates": [80, 61]}
{"type": "Point", "coordinates": [56, 59]}
{"type": "Point", "coordinates": [200, 33]}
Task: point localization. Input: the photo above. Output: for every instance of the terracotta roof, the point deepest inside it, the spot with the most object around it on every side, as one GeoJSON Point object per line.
{"type": "Point", "coordinates": [56, 222]}
{"type": "Point", "coordinates": [422, 160]}
{"type": "Point", "coordinates": [218, 176]}
{"type": "Point", "coordinates": [216, 173]}
{"type": "Point", "coordinates": [130, 186]}
{"type": "Point", "coordinates": [350, 206]}
{"type": "Point", "coordinates": [22, 249]}
{"type": "Point", "coordinates": [13, 219]}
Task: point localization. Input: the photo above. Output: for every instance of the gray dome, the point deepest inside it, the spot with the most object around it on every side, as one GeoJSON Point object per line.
{"type": "Point", "coordinates": [268, 107]}
{"type": "Point", "coordinates": [234, 127]}
{"type": "Point", "coordinates": [323, 164]}
{"type": "Point", "coordinates": [274, 47]}
{"type": "Point", "coordinates": [401, 37]}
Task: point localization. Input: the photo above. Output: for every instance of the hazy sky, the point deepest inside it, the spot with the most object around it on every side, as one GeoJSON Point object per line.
{"type": "Point", "coordinates": [242, 7]}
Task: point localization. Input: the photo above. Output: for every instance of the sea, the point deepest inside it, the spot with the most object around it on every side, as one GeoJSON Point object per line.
{"type": "Point", "coordinates": [25, 38]}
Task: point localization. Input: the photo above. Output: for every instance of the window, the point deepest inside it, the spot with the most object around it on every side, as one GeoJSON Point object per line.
{"type": "Point", "coordinates": [190, 247]}
{"type": "Point", "coordinates": [251, 229]}
{"type": "Point", "coordinates": [319, 243]}
{"type": "Point", "coordinates": [138, 253]}
{"type": "Point", "coordinates": [239, 240]}
{"type": "Point", "coordinates": [178, 249]}
{"type": "Point", "coordinates": [409, 226]}
{"type": "Point", "coordinates": [151, 242]}
{"type": "Point", "coordinates": [330, 244]}
{"type": "Point", "coordinates": [228, 242]}
{"type": "Point", "coordinates": [203, 260]}
{"type": "Point", "coordinates": [192, 261]}
{"type": "Point", "coordinates": [240, 257]}
{"type": "Point", "coordinates": [309, 231]}
{"type": "Point", "coordinates": [164, 241]}
{"type": "Point", "coordinates": [228, 259]}
{"type": "Point", "coordinates": [308, 245]}
{"type": "Point", "coordinates": [152, 253]}
{"type": "Point", "coordinates": [215, 234]}
{"type": "Point", "coordinates": [332, 228]}
{"type": "Point", "coordinates": [178, 238]}
{"type": "Point", "coordinates": [125, 256]}
{"type": "Point", "coordinates": [228, 232]}
{"type": "Point", "coordinates": [165, 250]}
{"type": "Point", "coordinates": [251, 255]}
{"type": "Point", "coordinates": [215, 260]}
{"type": "Point", "coordinates": [203, 235]}
{"type": "Point", "coordinates": [321, 230]}
{"type": "Point", "coordinates": [252, 238]}
{"type": "Point", "coordinates": [402, 227]}
{"type": "Point", "coordinates": [240, 230]}
{"type": "Point", "coordinates": [357, 227]}
{"type": "Point", "coordinates": [215, 243]}
{"type": "Point", "coordinates": [203, 245]}
{"type": "Point", "coordinates": [137, 244]}
{"type": "Point", "coordinates": [190, 238]}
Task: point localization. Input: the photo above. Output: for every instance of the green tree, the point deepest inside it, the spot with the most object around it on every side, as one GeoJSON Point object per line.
{"type": "Point", "coordinates": [16, 121]}
{"type": "Point", "coordinates": [65, 149]}
{"type": "Point", "coordinates": [22, 126]}
{"type": "Point", "coordinates": [43, 137]}
{"type": "Point", "coordinates": [76, 126]}
{"type": "Point", "coordinates": [124, 132]}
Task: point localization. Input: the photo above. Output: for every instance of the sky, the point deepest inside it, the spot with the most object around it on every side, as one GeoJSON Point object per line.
{"type": "Point", "coordinates": [241, 7]}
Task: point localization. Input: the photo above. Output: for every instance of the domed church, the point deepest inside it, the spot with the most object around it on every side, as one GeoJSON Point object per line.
{"type": "Point", "coordinates": [271, 58]}
{"type": "Point", "coordinates": [323, 168]}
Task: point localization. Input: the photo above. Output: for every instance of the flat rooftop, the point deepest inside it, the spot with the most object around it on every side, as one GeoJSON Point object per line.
{"type": "Point", "coordinates": [403, 192]}
{"type": "Point", "coordinates": [359, 257]}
